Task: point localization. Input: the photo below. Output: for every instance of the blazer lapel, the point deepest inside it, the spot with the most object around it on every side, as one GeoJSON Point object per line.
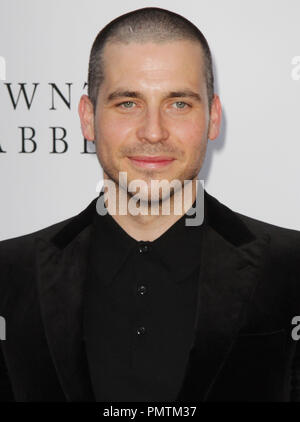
{"type": "Point", "coordinates": [61, 271]}
{"type": "Point", "coordinates": [231, 266]}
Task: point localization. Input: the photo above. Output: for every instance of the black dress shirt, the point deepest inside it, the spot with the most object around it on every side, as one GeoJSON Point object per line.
{"type": "Point", "coordinates": [139, 310]}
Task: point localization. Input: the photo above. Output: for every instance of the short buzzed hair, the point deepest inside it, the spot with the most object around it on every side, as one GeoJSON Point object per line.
{"type": "Point", "coordinates": [142, 25]}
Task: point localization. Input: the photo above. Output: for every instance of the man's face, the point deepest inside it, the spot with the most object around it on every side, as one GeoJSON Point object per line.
{"type": "Point", "coordinates": [153, 104]}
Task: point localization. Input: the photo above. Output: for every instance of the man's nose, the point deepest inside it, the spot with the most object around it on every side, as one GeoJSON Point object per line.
{"type": "Point", "coordinates": [152, 127]}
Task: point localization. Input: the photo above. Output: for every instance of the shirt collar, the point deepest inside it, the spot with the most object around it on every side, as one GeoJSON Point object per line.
{"type": "Point", "coordinates": [177, 249]}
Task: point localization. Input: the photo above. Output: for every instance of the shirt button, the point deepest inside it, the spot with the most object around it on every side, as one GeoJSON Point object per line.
{"type": "Point", "coordinates": [142, 289]}
{"type": "Point", "coordinates": [143, 248]}
{"type": "Point", "coordinates": [141, 331]}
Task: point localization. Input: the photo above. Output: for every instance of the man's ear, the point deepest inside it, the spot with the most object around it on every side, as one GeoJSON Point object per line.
{"type": "Point", "coordinates": [215, 118]}
{"type": "Point", "coordinates": [86, 115]}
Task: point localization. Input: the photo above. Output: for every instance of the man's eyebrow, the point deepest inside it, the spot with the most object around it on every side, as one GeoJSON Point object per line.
{"type": "Point", "coordinates": [121, 94]}
{"type": "Point", "coordinates": [185, 93]}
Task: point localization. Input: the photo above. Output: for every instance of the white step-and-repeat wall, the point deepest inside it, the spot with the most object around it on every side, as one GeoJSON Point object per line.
{"type": "Point", "coordinates": [253, 167]}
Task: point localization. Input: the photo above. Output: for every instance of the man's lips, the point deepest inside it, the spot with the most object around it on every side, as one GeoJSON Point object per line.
{"type": "Point", "coordinates": [151, 162]}
{"type": "Point", "coordinates": [149, 158]}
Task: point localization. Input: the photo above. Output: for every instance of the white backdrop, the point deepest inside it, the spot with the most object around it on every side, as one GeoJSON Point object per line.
{"type": "Point", "coordinates": [253, 167]}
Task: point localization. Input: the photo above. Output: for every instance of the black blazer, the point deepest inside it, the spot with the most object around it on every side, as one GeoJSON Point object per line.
{"type": "Point", "coordinates": [249, 291]}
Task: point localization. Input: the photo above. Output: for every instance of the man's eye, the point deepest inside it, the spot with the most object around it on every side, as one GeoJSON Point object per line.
{"type": "Point", "coordinates": [127, 104]}
{"type": "Point", "coordinates": [180, 104]}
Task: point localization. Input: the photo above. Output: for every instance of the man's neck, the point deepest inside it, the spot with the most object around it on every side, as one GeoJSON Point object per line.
{"type": "Point", "coordinates": [153, 220]}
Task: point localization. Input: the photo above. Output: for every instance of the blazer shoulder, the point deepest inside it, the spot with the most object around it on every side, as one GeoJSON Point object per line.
{"type": "Point", "coordinates": [17, 258]}
{"type": "Point", "coordinates": [228, 220]}
{"type": "Point", "coordinates": [18, 254]}
{"type": "Point", "coordinates": [25, 243]}
{"type": "Point", "coordinates": [20, 250]}
{"type": "Point", "coordinates": [278, 232]}
{"type": "Point", "coordinates": [284, 242]}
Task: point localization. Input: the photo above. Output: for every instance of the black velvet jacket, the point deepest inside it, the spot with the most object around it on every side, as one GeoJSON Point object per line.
{"type": "Point", "coordinates": [249, 292]}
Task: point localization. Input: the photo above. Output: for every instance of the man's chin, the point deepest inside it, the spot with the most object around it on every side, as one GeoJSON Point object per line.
{"type": "Point", "coordinates": [147, 185]}
{"type": "Point", "coordinates": [155, 191]}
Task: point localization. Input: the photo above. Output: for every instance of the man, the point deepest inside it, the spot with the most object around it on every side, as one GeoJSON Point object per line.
{"type": "Point", "coordinates": [145, 307]}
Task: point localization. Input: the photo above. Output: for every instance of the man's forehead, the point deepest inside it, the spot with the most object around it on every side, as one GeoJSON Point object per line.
{"type": "Point", "coordinates": [153, 62]}
{"type": "Point", "coordinates": [146, 52]}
